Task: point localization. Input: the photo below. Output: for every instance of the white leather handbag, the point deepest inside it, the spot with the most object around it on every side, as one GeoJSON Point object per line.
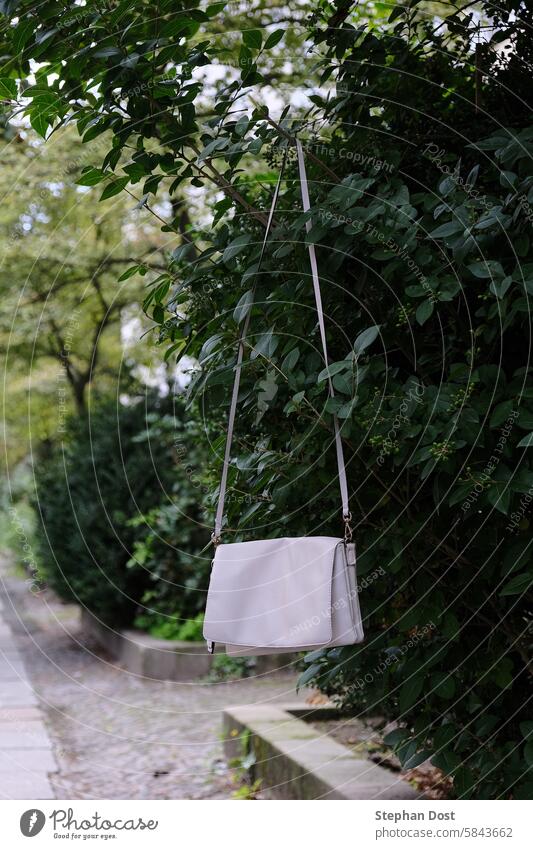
{"type": "Point", "coordinates": [293, 593]}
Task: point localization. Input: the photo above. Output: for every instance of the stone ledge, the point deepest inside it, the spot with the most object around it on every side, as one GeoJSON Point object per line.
{"type": "Point", "coordinates": [166, 660]}
{"type": "Point", "coordinates": [295, 761]}
{"type": "Point", "coordinates": [138, 652]}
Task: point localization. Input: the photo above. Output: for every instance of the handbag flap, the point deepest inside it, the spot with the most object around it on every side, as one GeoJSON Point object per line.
{"type": "Point", "coordinates": [274, 592]}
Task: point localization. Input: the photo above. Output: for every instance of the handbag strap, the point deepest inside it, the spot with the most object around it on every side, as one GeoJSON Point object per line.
{"type": "Point", "coordinates": [318, 298]}
{"type": "Point", "coordinates": [240, 353]}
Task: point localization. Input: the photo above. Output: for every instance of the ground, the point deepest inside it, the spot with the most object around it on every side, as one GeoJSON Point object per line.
{"type": "Point", "coordinates": [116, 735]}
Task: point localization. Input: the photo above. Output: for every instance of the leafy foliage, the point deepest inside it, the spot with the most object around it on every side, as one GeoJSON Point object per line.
{"type": "Point", "coordinates": [173, 541]}
{"type": "Point", "coordinates": [94, 493]}
{"type": "Point", "coordinates": [191, 630]}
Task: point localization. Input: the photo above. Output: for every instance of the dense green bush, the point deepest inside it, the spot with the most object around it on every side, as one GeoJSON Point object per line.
{"type": "Point", "coordinates": [95, 496]}
{"type": "Point", "coordinates": [421, 210]}
{"type": "Point", "coordinates": [175, 537]}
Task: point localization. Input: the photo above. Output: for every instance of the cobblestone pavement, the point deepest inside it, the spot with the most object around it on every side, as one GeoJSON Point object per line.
{"type": "Point", "coordinates": [116, 735]}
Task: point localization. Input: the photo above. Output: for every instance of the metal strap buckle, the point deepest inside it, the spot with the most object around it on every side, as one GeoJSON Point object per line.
{"type": "Point", "coordinates": [348, 530]}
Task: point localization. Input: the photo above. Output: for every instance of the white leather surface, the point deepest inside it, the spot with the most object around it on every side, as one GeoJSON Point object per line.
{"type": "Point", "coordinates": [289, 594]}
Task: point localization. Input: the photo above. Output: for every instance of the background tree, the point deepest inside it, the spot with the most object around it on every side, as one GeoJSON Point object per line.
{"type": "Point", "coordinates": [62, 308]}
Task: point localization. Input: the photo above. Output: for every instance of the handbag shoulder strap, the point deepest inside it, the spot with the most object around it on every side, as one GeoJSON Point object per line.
{"type": "Point", "coordinates": [240, 353]}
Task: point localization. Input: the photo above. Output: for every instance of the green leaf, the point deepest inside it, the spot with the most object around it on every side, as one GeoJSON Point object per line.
{"type": "Point", "coordinates": [499, 288]}
{"type": "Point", "coordinates": [274, 38]}
{"type": "Point", "coordinates": [499, 496]}
{"type": "Point", "coordinates": [308, 674]}
{"type": "Point", "coordinates": [40, 119]}
{"type": "Point", "coordinates": [528, 754]}
{"type": "Point", "coordinates": [343, 383]}
{"type": "Point", "coordinates": [508, 179]}
{"type": "Point", "coordinates": [220, 208]}
{"type": "Point", "coordinates": [448, 229]}
{"type": "Point", "coordinates": [242, 125]}
{"type": "Point", "coordinates": [290, 360]}
{"type": "Point", "coordinates": [525, 420]}
{"type": "Point", "coordinates": [183, 252]}
{"type": "Point", "coordinates": [501, 413]}
{"type": "Point", "coordinates": [176, 348]}
{"type": "Point", "coordinates": [215, 9]}
{"type": "Point", "coordinates": [22, 34]}
{"type": "Point", "coordinates": [108, 53]}
{"type": "Point", "coordinates": [252, 38]}
{"type": "Point", "coordinates": [444, 735]}
{"type": "Point", "coordinates": [518, 585]}
{"type": "Point", "coordinates": [424, 311]}
{"type": "Point", "coordinates": [136, 171]}
{"type": "Point", "coordinates": [129, 273]}
{"type": "Point", "coordinates": [236, 247]}
{"type": "Point", "coordinates": [487, 269]}
{"type": "Point", "coordinates": [333, 368]}
{"type": "Point", "coordinates": [450, 626]}
{"type": "Point", "coordinates": [406, 750]}
{"type": "Point", "coordinates": [416, 759]}
{"type": "Point", "coordinates": [366, 338]}
{"type": "Point", "coordinates": [410, 692]}
{"type": "Point", "coordinates": [463, 782]}
{"type": "Point", "coordinates": [314, 655]}
{"type": "Point", "coordinates": [245, 58]}
{"type": "Point", "coordinates": [396, 736]}
{"type": "Point", "coordinates": [527, 729]}
{"type": "Point", "coordinates": [265, 346]}
{"type": "Point", "coordinates": [346, 410]}
{"type": "Point", "coordinates": [212, 147]}
{"type": "Point", "coordinates": [8, 89]}
{"type": "Point", "coordinates": [526, 441]}
{"type": "Point", "coordinates": [502, 673]}
{"type": "Point", "coordinates": [91, 177]}
{"type": "Point", "coordinates": [243, 307]}
{"type": "Point", "coordinates": [333, 405]}
{"type": "Point", "coordinates": [448, 761]}
{"type": "Point", "coordinates": [486, 724]}
{"type": "Point", "coordinates": [443, 685]}
{"type": "Point", "coordinates": [158, 314]}
{"type": "Point", "coordinates": [114, 188]}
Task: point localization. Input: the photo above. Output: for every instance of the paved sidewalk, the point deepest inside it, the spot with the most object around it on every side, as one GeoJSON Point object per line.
{"type": "Point", "coordinates": [26, 758]}
{"type": "Point", "coordinates": [115, 734]}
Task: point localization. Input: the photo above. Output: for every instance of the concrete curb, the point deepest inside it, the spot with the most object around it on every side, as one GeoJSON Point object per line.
{"type": "Point", "coordinates": [138, 652]}
{"type": "Point", "coordinates": [165, 660]}
{"type": "Point", "coordinates": [294, 761]}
